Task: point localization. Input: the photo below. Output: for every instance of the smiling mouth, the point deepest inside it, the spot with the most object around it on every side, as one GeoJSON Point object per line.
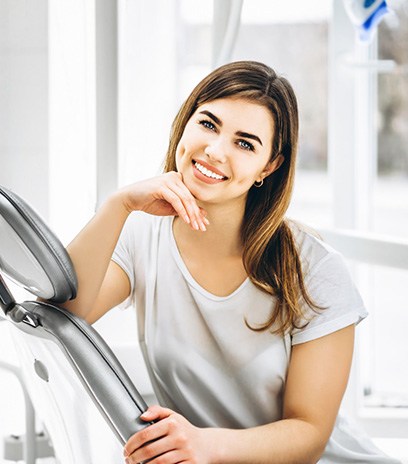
{"type": "Point", "coordinates": [207, 172]}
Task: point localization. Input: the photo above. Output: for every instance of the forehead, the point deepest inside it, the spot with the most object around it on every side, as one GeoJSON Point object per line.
{"type": "Point", "coordinates": [241, 115]}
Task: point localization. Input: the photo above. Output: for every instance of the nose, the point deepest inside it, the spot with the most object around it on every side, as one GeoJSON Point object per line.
{"type": "Point", "coordinates": [217, 150]}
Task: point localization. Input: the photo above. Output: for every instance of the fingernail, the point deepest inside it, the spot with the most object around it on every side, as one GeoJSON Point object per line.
{"type": "Point", "coordinates": [195, 225]}
{"type": "Point", "coordinates": [206, 221]}
{"type": "Point", "coordinates": [146, 414]}
{"type": "Point", "coordinates": [187, 219]}
{"type": "Point", "coordinates": [202, 227]}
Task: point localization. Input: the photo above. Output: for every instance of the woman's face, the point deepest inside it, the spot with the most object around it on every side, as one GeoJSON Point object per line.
{"type": "Point", "coordinates": [225, 147]}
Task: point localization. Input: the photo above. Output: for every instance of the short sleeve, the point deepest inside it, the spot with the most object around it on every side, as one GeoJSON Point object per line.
{"type": "Point", "coordinates": [123, 256]}
{"type": "Point", "coordinates": [330, 286]}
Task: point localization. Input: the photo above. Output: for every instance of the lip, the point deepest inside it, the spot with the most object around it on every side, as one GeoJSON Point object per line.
{"type": "Point", "coordinates": [210, 168]}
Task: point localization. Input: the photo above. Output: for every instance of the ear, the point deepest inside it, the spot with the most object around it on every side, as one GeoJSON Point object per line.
{"type": "Point", "coordinates": [271, 167]}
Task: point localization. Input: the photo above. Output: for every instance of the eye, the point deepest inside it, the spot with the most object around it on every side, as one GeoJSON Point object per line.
{"type": "Point", "coordinates": [207, 124]}
{"type": "Point", "coordinates": [245, 145]}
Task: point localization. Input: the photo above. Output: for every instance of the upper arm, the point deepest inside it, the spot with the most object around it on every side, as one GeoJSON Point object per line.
{"type": "Point", "coordinates": [317, 378]}
{"type": "Point", "coordinates": [115, 289]}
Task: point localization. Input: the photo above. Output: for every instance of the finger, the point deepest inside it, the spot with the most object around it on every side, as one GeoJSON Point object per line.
{"type": "Point", "coordinates": [200, 213]}
{"type": "Point", "coordinates": [204, 215]}
{"type": "Point", "coordinates": [196, 213]}
{"type": "Point", "coordinates": [162, 447]}
{"type": "Point", "coordinates": [171, 457]}
{"type": "Point", "coordinates": [156, 412]}
{"type": "Point", "coordinates": [148, 434]}
{"type": "Point", "coordinates": [177, 204]}
{"type": "Point", "coordinates": [185, 205]}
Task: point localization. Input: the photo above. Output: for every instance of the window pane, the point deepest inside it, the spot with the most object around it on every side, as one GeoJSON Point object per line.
{"type": "Point", "coordinates": [383, 348]}
{"type": "Point", "coordinates": [391, 191]}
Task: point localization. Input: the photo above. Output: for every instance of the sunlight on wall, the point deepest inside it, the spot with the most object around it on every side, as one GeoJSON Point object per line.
{"type": "Point", "coordinates": [72, 116]}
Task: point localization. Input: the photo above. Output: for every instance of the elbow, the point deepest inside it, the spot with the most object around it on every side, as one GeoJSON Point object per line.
{"type": "Point", "coordinates": [317, 443]}
{"type": "Point", "coordinates": [317, 453]}
{"type": "Point", "coordinates": [314, 454]}
{"type": "Point", "coordinates": [318, 447]}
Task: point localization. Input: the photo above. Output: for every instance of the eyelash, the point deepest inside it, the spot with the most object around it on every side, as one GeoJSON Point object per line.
{"type": "Point", "coordinates": [244, 144]}
{"type": "Point", "coordinates": [207, 124]}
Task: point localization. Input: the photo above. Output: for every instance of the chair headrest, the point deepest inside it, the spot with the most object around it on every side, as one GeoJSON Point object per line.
{"type": "Point", "coordinates": [30, 254]}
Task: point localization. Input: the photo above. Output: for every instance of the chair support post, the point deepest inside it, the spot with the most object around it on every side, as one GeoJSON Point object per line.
{"type": "Point", "coordinates": [30, 445]}
{"type": "Point", "coordinates": [7, 301]}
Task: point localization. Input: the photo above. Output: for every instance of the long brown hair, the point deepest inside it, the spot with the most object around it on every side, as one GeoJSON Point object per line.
{"type": "Point", "coordinates": [270, 255]}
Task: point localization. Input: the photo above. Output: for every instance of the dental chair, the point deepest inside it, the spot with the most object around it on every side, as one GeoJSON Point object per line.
{"type": "Point", "coordinates": [78, 387]}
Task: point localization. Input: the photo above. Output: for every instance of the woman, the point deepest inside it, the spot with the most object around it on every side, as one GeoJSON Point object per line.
{"type": "Point", "coordinates": [246, 321]}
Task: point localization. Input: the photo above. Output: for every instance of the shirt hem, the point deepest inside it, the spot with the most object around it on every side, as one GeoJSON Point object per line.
{"type": "Point", "coordinates": [330, 327]}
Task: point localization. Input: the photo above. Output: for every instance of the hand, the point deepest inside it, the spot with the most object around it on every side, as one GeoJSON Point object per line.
{"type": "Point", "coordinates": [170, 440]}
{"type": "Point", "coordinates": [165, 195]}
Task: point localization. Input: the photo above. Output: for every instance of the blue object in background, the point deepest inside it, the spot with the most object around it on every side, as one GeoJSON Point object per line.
{"type": "Point", "coordinates": [366, 15]}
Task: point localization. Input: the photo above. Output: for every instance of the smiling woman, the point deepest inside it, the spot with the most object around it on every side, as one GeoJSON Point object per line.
{"type": "Point", "coordinates": [217, 150]}
{"type": "Point", "coordinates": [238, 306]}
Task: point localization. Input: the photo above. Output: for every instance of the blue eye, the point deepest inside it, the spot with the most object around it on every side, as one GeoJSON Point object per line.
{"type": "Point", "coordinates": [245, 145]}
{"type": "Point", "coordinates": [207, 124]}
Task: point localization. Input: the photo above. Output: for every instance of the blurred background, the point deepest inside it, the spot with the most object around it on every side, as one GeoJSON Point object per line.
{"type": "Point", "coordinates": [88, 91]}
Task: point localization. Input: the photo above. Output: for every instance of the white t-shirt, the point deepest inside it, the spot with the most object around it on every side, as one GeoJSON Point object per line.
{"type": "Point", "coordinates": [204, 362]}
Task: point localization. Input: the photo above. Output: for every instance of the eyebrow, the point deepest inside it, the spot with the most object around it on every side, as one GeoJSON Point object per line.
{"type": "Point", "coordinates": [249, 136]}
{"type": "Point", "coordinates": [240, 133]}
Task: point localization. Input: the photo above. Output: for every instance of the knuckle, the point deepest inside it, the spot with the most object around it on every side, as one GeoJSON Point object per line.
{"type": "Point", "coordinates": [174, 176]}
{"type": "Point", "coordinates": [172, 424]}
{"type": "Point", "coordinates": [149, 452]}
{"type": "Point", "coordinates": [162, 189]}
{"type": "Point", "coordinates": [181, 440]}
{"type": "Point", "coordinates": [144, 435]}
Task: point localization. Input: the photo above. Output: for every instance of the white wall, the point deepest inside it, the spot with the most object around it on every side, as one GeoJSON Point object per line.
{"type": "Point", "coordinates": [23, 144]}
{"type": "Point", "coordinates": [24, 99]}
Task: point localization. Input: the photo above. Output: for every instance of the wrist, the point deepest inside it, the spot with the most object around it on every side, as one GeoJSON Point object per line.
{"type": "Point", "coordinates": [218, 440]}
{"type": "Point", "coordinates": [130, 197]}
{"type": "Point", "coordinates": [118, 202]}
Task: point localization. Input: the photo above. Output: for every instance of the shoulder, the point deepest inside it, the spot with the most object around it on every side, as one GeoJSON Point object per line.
{"type": "Point", "coordinates": [140, 233]}
{"type": "Point", "coordinates": [138, 242]}
{"type": "Point", "coordinates": [313, 251]}
{"type": "Point", "coordinates": [329, 284]}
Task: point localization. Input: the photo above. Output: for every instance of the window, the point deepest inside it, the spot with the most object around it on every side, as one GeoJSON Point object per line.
{"type": "Point", "coordinates": [367, 164]}
{"type": "Point", "coordinates": [386, 386]}
{"type": "Point", "coordinates": [390, 205]}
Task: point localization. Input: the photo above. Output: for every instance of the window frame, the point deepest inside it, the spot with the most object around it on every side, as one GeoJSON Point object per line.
{"type": "Point", "coordinates": [352, 161]}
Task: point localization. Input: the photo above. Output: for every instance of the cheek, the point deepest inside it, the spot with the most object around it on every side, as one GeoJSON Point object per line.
{"type": "Point", "coordinates": [180, 151]}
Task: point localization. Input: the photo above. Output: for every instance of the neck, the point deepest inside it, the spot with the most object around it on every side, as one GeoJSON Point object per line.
{"type": "Point", "coordinates": [223, 235]}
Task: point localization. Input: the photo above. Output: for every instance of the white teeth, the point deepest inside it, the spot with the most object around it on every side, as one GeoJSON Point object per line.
{"type": "Point", "coordinates": [207, 172]}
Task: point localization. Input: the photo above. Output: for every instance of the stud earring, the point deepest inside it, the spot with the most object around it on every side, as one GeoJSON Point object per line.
{"type": "Point", "coordinates": [258, 184]}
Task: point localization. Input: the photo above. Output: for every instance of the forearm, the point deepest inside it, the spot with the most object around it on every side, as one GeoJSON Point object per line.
{"type": "Point", "coordinates": [286, 441]}
{"type": "Point", "coordinates": [91, 252]}
{"type": "Point", "coordinates": [92, 249]}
